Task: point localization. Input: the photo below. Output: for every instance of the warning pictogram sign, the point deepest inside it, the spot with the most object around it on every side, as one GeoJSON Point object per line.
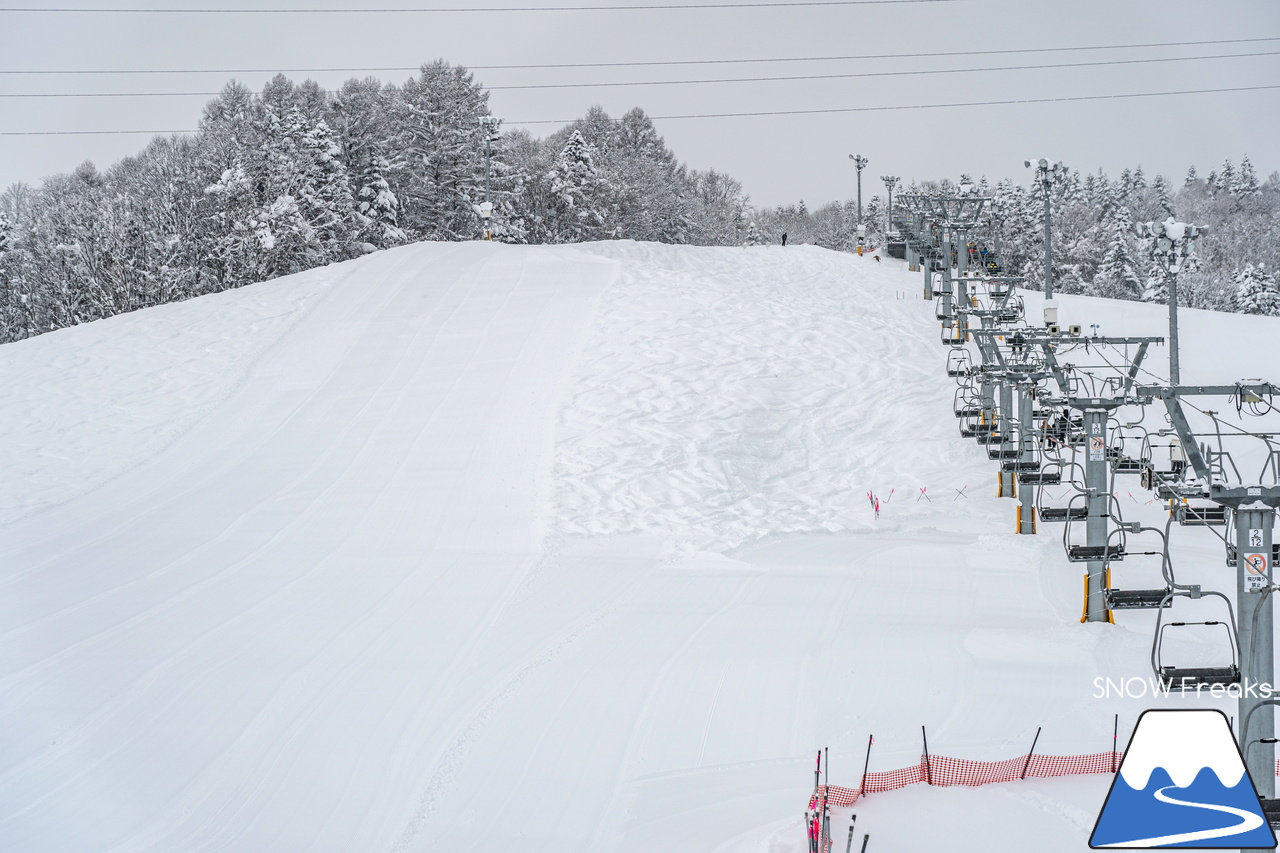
{"type": "Point", "coordinates": [1255, 570]}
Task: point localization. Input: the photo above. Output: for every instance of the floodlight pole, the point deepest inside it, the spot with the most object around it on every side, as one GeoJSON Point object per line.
{"type": "Point", "coordinates": [1046, 174]}
{"type": "Point", "coordinates": [890, 181]}
{"type": "Point", "coordinates": [860, 162]}
{"type": "Point", "coordinates": [489, 124]}
{"type": "Point", "coordinates": [1172, 244]}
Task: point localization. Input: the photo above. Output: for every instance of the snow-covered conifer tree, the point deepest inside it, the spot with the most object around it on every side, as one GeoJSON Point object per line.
{"type": "Point", "coordinates": [1116, 278]}
{"type": "Point", "coordinates": [378, 209]}
{"type": "Point", "coordinates": [1257, 291]}
{"type": "Point", "coordinates": [1246, 183]}
{"type": "Point", "coordinates": [574, 193]}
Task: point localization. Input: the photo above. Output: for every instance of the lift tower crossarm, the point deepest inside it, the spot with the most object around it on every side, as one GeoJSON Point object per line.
{"type": "Point", "coordinates": [1218, 492]}
{"type": "Point", "coordinates": [1130, 375]}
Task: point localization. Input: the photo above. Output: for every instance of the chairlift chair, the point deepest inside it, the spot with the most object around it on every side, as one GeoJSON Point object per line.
{"type": "Point", "coordinates": [1183, 678]}
{"type": "Point", "coordinates": [959, 362]}
{"type": "Point", "coordinates": [1122, 463]}
{"type": "Point", "coordinates": [1177, 460]}
{"type": "Point", "coordinates": [1070, 512]}
{"type": "Point", "coordinates": [1108, 552]}
{"type": "Point", "coordinates": [953, 333]}
{"type": "Point", "coordinates": [1142, 599]}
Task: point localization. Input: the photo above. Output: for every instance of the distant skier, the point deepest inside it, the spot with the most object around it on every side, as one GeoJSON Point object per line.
{"type": "Point", "coordinates": [1017, 344]}
{"type": "Point", "coordinates": [784, 238]}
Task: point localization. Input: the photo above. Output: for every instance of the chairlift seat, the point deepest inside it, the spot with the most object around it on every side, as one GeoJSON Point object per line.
{"type": "Point", "coordinates": [1089, 553]}
{"type": "Point", "coordinates": [1041, 478]}
{"type": "Point", "coordinates": [1128, 465]}
{"type": "Point", "coordinates": [968, 413]}
{"type": "Point", "coordinates": [1186, 677]}
{"type": "Point", "coordinates": [1202, 516]}
{"type": "Point", "coordinates": [1270, 810]}
{"type": "Point", "coordinates": [1020, 468]}
{"type": "Point", "coordinates": [1136, 599]}
{"type": "Point", "coordinates": [1063, 513]}
{"type": "Point", "coordinates": [1003, 452]}
{"type": "Point", "coordinates": [993, 436]}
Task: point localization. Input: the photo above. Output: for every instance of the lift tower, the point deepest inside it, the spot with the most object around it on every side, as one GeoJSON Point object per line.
{"type": "Point", "coordinates": [956, 216]}
{"type": "Point", "coordinates": [1095, 411]}
{"type": "Point", "coordinates": [1254, 508]}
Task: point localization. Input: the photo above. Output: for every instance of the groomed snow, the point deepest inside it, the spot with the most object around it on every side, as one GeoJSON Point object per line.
{"type": "Point", "coordinates": [468, 546]}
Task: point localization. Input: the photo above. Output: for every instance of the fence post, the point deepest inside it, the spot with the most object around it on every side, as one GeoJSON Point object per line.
{"type": "Point", "coordinates": [862, 786]}
{"type": "Point", "coordinates": [1115, 734]}
{"type": "Point", "coordinates": [928, 771]}
{"type": "Point", "coordinates": [1032, 752]}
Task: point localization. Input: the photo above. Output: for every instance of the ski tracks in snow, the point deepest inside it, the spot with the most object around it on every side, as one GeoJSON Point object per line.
{"type": "Point", "coordinates": [722, 401]}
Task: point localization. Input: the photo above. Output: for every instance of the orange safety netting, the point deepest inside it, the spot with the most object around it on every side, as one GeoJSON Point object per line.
{"type": "Point", "coordinates": [943, 770]}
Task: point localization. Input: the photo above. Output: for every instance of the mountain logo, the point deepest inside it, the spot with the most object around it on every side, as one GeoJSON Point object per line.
{"type": "Point", "coordinates": [1182, 783]}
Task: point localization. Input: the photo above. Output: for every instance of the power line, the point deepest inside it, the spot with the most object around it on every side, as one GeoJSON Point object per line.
{"type": "Point", "coordinates": [529, 67]}
{"type": "Point", "coordinates": [891, 108]}
{"type": "Point", "coordinates": [938, 106]}
{"type": "Point", "coordinates": [462, 9]}
{"type": "Point", "coordinates": [775, 79]}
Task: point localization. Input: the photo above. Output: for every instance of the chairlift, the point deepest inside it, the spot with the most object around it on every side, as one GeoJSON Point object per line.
{"type": "Point", "coordinates": [953, 333]}
{"type": "Point", "coordinates": [959, 362]}
{"type": "Point", "coordinates": [1070, 512]}
{"type": "Point", "coordinates": [1183, 678]}
{"type": "Point", "coordinates": [972, 427]}
{"type": "Point", "coordinates": [1193, 515]}
{"type": "Point", "coordinates": [1144, 599]}
{"type": "Point", "coordinates": [965, 404]}
{"type": "Point", "coordinates": [1108, 552]}
{"type": "Point", "coordinates": [1121, 438]}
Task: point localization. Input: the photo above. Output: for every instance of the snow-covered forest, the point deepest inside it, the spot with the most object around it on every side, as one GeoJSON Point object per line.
{"type": "Point", "coordinates": [1096, 250]}
{"type": "Point", "coordinates": [296, 177]}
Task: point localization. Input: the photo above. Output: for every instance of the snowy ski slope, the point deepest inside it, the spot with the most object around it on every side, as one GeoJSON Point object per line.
{"type": "Point", "coordinates": [478, 547]}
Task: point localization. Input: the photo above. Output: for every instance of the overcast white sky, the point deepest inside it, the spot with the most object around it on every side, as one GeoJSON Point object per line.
{"type": "Point", "coordinates": [779, 159]}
